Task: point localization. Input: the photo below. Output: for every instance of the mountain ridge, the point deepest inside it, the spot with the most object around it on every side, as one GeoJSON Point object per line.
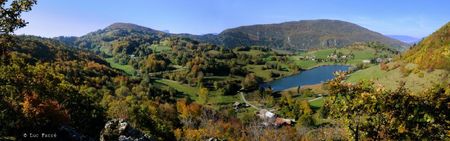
{"type": "Point", "coordinates": [304, 34]}
{"type": "Point", "coordinates": [293, 35]}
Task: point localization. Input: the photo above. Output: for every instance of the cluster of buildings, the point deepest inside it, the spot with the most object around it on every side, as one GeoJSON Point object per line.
{"type": "Point", "coordinates": [271, 119]}
{"type": "Point", "coordinates": [312, 58]}
{"type": "Point", "coordinates": [331, 57]}
{"type": "Point", "coordinates": [377, 60]}
{"type": "Point", "coordinates": [336, 57]}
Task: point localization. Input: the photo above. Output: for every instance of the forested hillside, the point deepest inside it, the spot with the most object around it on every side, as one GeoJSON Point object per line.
{"type": "Point", "coordinates": [118, 38]}
{"type": "Point", "coordinates": [49, 87]}
{"type": "Point", "coordinates": [299, 35]}
{"type": "Point", "coordinates": [433, 52]}
{"type": "Point", "coordinates": [305, 34]}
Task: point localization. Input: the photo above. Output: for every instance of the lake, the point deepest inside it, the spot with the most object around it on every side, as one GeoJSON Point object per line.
{"type": "Point", "coordinates": [307, 77]}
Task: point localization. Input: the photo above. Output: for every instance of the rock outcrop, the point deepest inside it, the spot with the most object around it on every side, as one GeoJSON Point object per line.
{"type": "Point", "coordinates": [120, 130]}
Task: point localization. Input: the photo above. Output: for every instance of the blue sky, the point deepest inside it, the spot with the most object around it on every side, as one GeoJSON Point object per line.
{"type": "Point", "coordinates": [50, 18]}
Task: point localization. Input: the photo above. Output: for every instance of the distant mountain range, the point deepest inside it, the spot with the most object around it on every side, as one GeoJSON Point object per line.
{"type": "Point", "coordinates": [297, 35]}
{"type": "Point", "coordinates": [405, 38]}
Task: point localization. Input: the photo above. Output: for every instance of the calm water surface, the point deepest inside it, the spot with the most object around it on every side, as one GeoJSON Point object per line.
{"type": "Point", "coordinates": [308, 77]}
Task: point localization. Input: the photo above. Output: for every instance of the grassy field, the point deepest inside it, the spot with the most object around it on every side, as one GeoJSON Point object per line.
{"type": "Point", "coordinates": [322, 53]}
{"type": "Point", "coordinates": [216, 99]}
{"type": "Point", "coordinates": [265, 74]}
{"type": "Point", "coordinates": [160, 48]}
{"type": "Point", "coordinates": [307, 64]}
{"type": "Point", "coordinates": [360, 53]}
{"type": "Point", "coordinates": [257, 69]}
{"type": "Point", "coordinates": [190, 91]}
{"type": "Point", "coordinates": [368, 74]}
{"type": "Point", "coordinates": [316, 104]}
{"type": "Point", "coordinates": [416, 81]}
{"type": "Point", "coordinates": [316, 89]}
{"type": "Point", "coordinates": [126, 68]}
{"type": "Point", "coordinates": [252, 52]}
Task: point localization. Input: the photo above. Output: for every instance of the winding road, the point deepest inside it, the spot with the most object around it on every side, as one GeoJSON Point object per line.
{"type": "Point", "coordinates": [245, 100]}
{"type": "Point", "coordinates": [314, 99]}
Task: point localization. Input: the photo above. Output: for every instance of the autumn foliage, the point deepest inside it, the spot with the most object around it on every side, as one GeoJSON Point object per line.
{"type": "Point", "coordinates": [432, 52]}
{"type": "Point", "coordinates": [34, 107]}
{"type": "Point", "coordinates": [372, 112]}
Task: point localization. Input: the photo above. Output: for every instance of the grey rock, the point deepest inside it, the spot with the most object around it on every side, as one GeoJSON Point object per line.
{"type": "Point", "coordinates": [121, 130]}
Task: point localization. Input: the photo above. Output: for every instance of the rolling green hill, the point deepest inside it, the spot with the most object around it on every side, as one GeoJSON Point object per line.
{"type": "Point", "coordinates": [118, 38]}
{"type": "Point", "coordinates": [422, 66]}
{"type": "Point", "coordinates": [415, 79]}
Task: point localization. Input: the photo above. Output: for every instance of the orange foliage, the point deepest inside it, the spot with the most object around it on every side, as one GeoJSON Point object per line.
{"type": "Point", "coordinates": [33, 107]}
{"type": "Point", "coordinates": [94, 66]}
{"type": "Point", "coordinates": [188, 109]}
{"type": "Point", "coordinates": [384, 66]}
{"type": "Point", "coordinates": [28, 105]}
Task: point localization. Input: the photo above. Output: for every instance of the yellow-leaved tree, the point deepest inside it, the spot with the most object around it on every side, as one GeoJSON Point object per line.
{"type": "Point", "coordinates": [203, 95]}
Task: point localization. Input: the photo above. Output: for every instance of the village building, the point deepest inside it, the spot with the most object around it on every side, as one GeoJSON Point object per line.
{"type": "Point", "coordinates": [379, 60]}
{"type": "Point", "coordinates": [366, 61]}
{"type": "Point", "coordinates": [271, 119]}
